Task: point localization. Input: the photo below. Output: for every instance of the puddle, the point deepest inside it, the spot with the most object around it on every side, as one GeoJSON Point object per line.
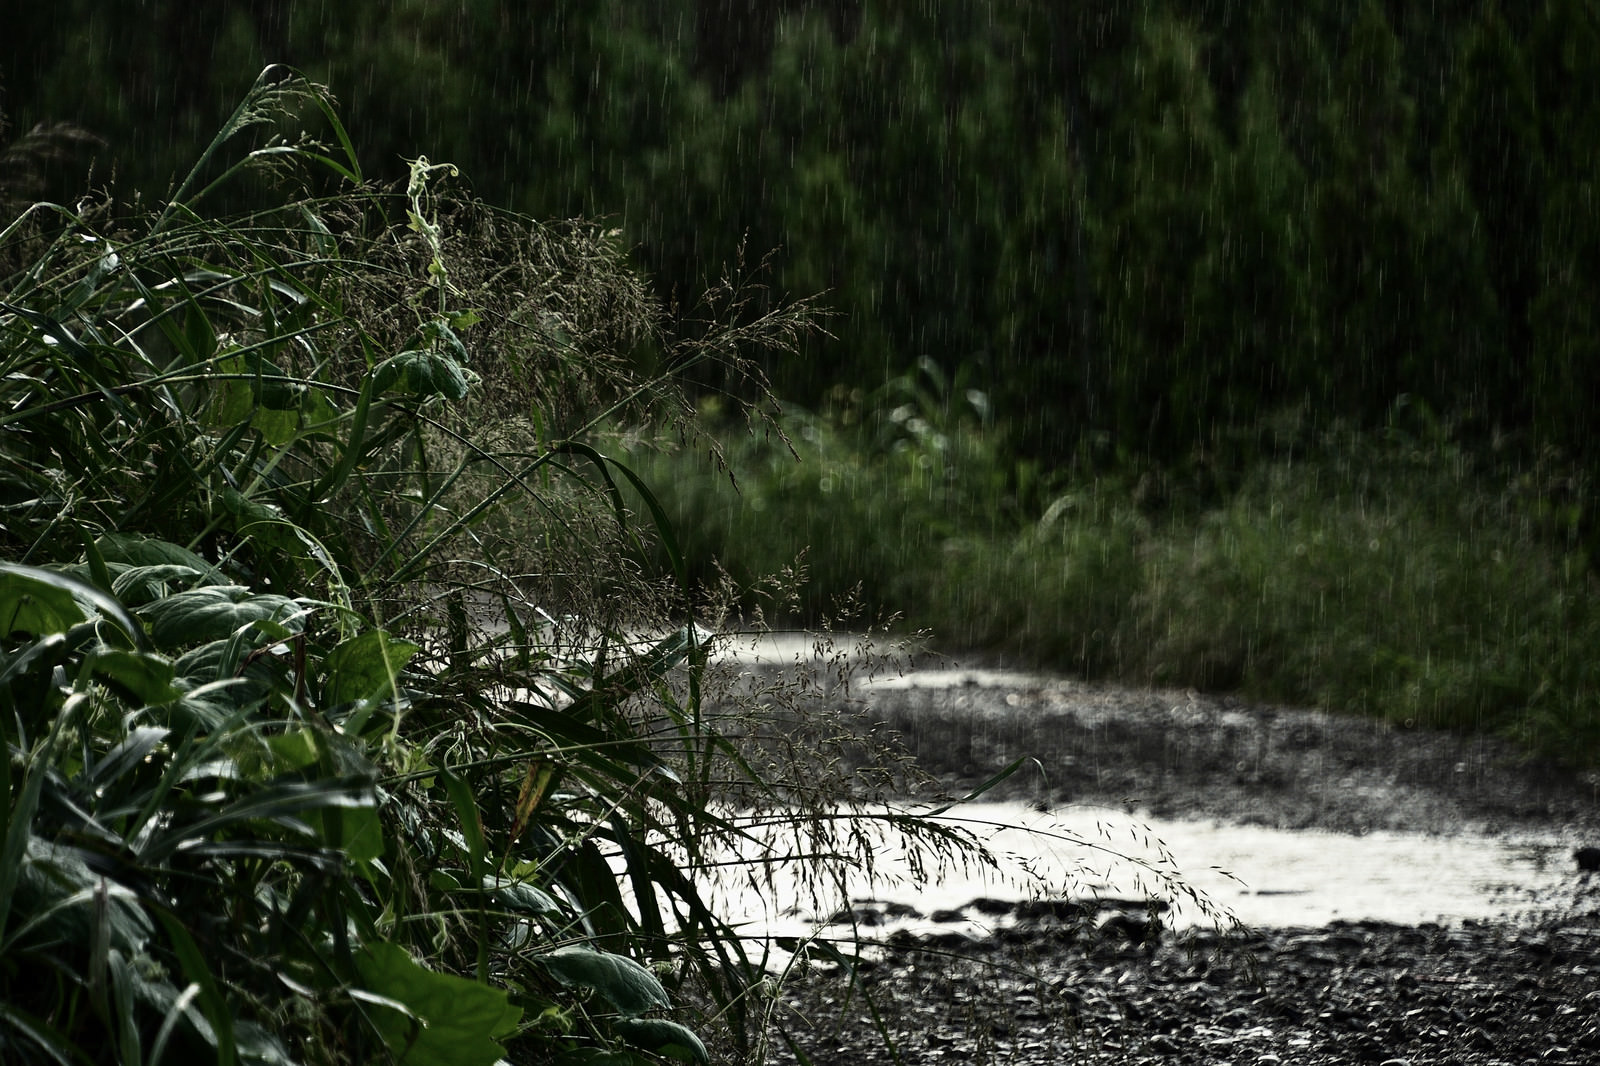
{"type": "Point", "coordinates": [1266, 878]}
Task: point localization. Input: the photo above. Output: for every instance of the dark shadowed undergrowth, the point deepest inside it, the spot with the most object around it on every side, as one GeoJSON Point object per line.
{"type": "Point", "coordinates": [348, 715]}
{"type": "Point", "coordinates": [1388, 573]}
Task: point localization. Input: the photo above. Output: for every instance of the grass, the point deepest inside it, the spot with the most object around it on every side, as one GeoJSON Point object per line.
{"type": "Point", "coordinates": [1394, 574]}
{"type": "Point", "coordinates": [347, 715]}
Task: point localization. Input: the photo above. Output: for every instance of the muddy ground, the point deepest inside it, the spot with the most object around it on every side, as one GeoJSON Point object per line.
{"type": "Point", "coordinates": [1060, 989]}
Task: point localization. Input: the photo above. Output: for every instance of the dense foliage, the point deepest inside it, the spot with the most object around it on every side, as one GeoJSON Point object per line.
{"type": "Point", "coordinates": [343, 716]}
{"type": "Point", "coordinates": [1393, 573]}
{"type": "Point", "coordinates": [1138, 221]}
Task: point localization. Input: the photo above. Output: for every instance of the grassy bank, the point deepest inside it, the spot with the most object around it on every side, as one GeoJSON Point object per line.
{"type": "Point", "coordinates": [1387, 573]}
{"type": "Point", "coordinates": [339, 722]}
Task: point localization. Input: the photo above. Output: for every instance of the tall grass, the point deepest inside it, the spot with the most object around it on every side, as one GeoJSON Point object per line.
{"type": "Point", "coordinates": [346, 717]}
{"type": "Point", "coordinates": [1384, 573]}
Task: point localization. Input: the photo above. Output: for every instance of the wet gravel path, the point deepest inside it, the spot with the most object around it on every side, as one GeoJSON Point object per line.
{"type": "Point", "coordinates": [1350, 993]}
{"type": "Point", "coordinates": [1522, 989]}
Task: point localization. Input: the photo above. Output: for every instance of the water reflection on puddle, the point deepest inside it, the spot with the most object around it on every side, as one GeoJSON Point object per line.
{"type": "Point", "coordinates": [1264, 877]}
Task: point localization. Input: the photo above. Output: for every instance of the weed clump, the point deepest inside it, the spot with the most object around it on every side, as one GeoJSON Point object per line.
{"type": "Point", "coordinates": [357, 700]}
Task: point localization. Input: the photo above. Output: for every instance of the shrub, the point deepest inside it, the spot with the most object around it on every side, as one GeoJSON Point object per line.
{"type": "Point", "coordinates": [346, 718]}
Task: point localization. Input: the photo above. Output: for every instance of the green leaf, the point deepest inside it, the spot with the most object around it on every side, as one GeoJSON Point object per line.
{"type": "Point", "coordinates": [295, 749]}
{"type": "Point", "coordinates": [261, 522]}
{"type": "Point", "coordinates": [144, 676]}
{"type": "Point", "coordinates": [146, 551]}
{"type": "Point", "coordinates": [623, 983]}
{"type": "Point", "coordinates": [471, 824]}
{"type": "Point", "coordinates": [193, 962]}
{"type": "Point", "coordinates": [232, 399]}
{"type": "Point", "coordinates": [211, 612]}
{"type": "Point", "coordinates": [58, 898]}
{"type": "Point", "coordinates": [595, 1056]}
{"type": "Point", "coordinates": [665, 1038]}
{"type": "Point", "coordinates": [137, 585]}
{"type": "Point", "coordinates": [519, 895]}
{"type": "Point", "coordinates": [452, 1021]}
{"type": "Point", "coordinates": [281, 802]}
{"type": "Point", "coordinates": [39, 1034]}
{"type": "Point", "coordinates": [33, 605]}
{"type": "Point", "coordinates": [276, 426]}
{"type": "Point", "coordinates": [128, 754]}
{"type": "Point", "coordinates": [366, 667]}
{"type": "Point", "coordinates": [87, 593]}
{"type": "Point", "coordinates": [359, 832]}
{"type": "Point", "coordinates": [421, 374]}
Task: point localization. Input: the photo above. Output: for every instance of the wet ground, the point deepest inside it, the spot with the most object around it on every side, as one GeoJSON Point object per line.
{"type": "Point", "coordinates": [1056, 981]}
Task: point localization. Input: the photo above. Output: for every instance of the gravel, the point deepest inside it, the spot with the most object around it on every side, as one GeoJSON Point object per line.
{"type": "Point", "coordinates": [1524, 988]}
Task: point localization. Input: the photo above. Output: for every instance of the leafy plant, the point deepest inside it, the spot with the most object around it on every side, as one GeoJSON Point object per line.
{"type": "Point", "coordinates": [240, 823]}
{"type": "Point", "coordinates": [346, 717]}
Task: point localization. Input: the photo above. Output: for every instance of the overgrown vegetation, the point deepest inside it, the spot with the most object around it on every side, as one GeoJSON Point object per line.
{"type": "Point", "coordinates": [1396, 574]}
{"type": "Point", "coordinates": [346, 718]}
{"type": "Point", "coordinates": [1148, 232]}
{"type": "Point", "coordinates": [1137, 222]}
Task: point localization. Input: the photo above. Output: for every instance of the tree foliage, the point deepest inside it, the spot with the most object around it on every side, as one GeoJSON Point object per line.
{"type": "Point", "coordinates": [1139, 221]}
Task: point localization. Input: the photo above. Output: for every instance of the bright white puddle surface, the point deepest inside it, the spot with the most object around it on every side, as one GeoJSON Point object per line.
{"type": "Point", "coordinates": [1267, 878]}
{"type": "Point", "coordinates": [1278, 878]}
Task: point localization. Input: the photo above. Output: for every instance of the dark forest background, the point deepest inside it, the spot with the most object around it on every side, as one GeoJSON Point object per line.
{"type": "Point", "coordinates": [1143, 228]}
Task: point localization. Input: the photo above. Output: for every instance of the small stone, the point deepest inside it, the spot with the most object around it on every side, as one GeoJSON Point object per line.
{"type": "Point", "coordinates": [1162, 1044]}
{"type": "Point", "coordinates": [1588, 859]}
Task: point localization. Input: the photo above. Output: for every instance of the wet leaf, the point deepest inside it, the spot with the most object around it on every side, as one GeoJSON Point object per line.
{"type": "Point", "coordinates": [447, 1021]}
{"type": "Point", "coordinates": [33, 605]}
{"type": "Point", "coordinates": [213, 612]}
{"type": "Point", "coordinates": [623, 983]}
{"type": "Point", "coordinates": [665, 1038]}
{"type": "Point", "coordinates": [421, 374]}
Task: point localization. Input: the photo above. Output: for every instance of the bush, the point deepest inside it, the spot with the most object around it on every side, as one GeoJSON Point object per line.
{"type": "Point", "coordinates": [1395, 574]}
{"type": "Point", "coordinates": [345, 718]}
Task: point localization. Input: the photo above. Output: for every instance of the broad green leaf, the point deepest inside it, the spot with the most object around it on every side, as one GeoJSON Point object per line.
{"type": "Point", "coordinates": [519, 895]}
{"type": "Point", "coordinates": [294, 750]}
{"type": "Point", "coordinates": [665, 1038]}
{"type": "Point", "coordinates": [29, 604]}
{"type": "Point", "coordinates": [259, 521]}
{"type": "Point", "coordinates": [232, 400]}
{"type": "Point", "coordinates": [623, 983]}
{"type": "Point", "coordinates": [317, 411]}
{"type": "Point", "coordinates": [365, 667]}
{"type": "Point", "coordinates": [60, 899]}
{"type": "Point", "coordinates": [456, 1022]}
{"type": "Point", "coordinates": [137, 585]}
{"type": "Point", "coordinates": [146, 551]}
{"type": "Point", "coordinates": [145, 676]}
{"type": "Point", "coordinates": [359, 832]}
{"type": "Point", "coordinates": [211, 612]}
{"type": "Point", "coordinates": [20, 598]}
{"type": "Point", "coordinates": [421, 374]}
{"type": "Point", "coordinates": [273, 388]}
{"type": "Point", "coordinates": [277, 426]}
